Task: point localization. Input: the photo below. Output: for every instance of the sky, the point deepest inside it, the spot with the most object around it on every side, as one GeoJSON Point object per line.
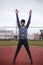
{"type": "Point", "coordinates": [8, 16]}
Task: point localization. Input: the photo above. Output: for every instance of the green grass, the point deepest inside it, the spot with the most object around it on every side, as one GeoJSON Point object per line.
{"type": "Point", "coordinates": [14, 43]}
{"type": "Point", "coordinates": [36, 43]}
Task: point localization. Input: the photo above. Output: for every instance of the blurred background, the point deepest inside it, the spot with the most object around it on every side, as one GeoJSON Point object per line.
{"type": "Point", "coordinates": [8, 24]}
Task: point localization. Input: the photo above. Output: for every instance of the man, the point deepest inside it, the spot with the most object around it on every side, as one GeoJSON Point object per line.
{"type": "Point", "coordinates": [23, 36]}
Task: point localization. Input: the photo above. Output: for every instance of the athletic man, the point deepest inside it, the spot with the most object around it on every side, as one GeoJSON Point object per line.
{"type": "Point", "coordinates": [23, 36]}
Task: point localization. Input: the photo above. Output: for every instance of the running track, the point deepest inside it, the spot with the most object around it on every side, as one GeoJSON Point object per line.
{"type": "Point", "coordinates": [7, 54]}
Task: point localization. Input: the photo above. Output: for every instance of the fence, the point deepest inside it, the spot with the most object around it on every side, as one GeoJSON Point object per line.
{"type": "Point", "coordinates": [33, 33]}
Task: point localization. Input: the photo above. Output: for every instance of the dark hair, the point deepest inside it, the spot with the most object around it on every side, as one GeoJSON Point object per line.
{"type": "Point", "coordinates": [23, 21]}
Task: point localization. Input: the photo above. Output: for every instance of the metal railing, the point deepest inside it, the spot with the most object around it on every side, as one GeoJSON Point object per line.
{"type": "Point", "coordinates": [32, 31]}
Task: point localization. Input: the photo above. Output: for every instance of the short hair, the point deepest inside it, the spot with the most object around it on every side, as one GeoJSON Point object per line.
{"type": "Point", "coordinates": [23, 21]}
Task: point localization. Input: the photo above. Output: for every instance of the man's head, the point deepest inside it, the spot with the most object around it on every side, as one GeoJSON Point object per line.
{"type": "Point", "coordinates": [22, 22]}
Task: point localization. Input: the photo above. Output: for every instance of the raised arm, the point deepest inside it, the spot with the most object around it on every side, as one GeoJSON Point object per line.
{"type": "Point", "coordinates": [30, 12]}
{"type": "Point", "coordinates": [17, 17]}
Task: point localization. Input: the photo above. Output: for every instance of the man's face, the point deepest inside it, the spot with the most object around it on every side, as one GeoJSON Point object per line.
{"type": "Point", "coordinates": [22, 23]}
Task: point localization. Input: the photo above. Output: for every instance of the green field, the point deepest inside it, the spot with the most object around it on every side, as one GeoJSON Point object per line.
{"type": "Point", "coordinates": [14, 43]}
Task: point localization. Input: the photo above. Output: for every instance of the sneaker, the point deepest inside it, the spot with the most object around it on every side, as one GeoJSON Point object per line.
{"type": "Point", "coordinates": [31, 62]}
{"type": "Point", "coordinates": [14, 62]}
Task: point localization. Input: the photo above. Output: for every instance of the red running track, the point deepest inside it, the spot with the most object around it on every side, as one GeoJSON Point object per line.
{"type": "Point", "coordinates": [7, 54]}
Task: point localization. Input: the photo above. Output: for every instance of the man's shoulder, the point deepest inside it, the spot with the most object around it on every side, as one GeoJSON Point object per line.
{"type": "Point", "coordinates": [22, 26]}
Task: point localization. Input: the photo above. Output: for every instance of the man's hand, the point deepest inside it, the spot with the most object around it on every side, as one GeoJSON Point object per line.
{"type": "Point", "coordinates": [16, 11]}
{"type": "Point", "coordinates": [30, 12]}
